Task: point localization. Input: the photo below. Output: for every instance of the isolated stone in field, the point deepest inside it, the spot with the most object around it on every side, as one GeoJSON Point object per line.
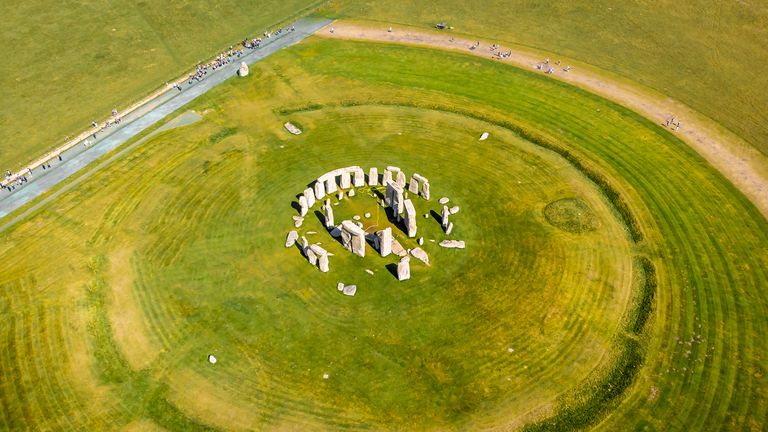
{"type": "Point", "coordinates": [367, 215]}
{"type": "Point", "coordinates": [369, 271]}
{"type": "Point", "coordinates": [452, 244]}
{"type": "Point", "coordinates": [413, 185]}
{"type": "Point", "coordinates": [420, 255]}
{"type": "Point", "coordinates": [443, 200]}
{"type": "Point", "coordinates": [356, 217]}
{"type": "Point", "coordinates": [292, 129]}
{"type": "Point", "coordinates": [410, 218]}
{"type": "Point", "coordinates": [454, 209]}
{"type": "Point", "coordinates": [303, 208]}
{"type": "Point", "coordinates": [404, 269]}
{"type": "Point", "coordinates": [426, 215]}
{"type": "Point", "coordinates": [243, 70]}
{"type": "Point", "coordinates": [212, 359]}
{"type": "Point", "coordinates": [373, 177]}
{"type": "Point", "coordinates": [385, 241]}
{"type": "Point", "coordinates": [291, 239]}
{"type": "Point", "coordinates": [484, 136]}
{"type": "Point", "coordinates": [319, 189]}
{"type": "Point", "coordinates": [340, 286]}
{"type": "Point", "coordinates": [449, 229]}
{"type": "Point", "coordinates": [444, 221]}
{"type": "Point", "coordinates": [420, 241]}
{"type": "Point", "coordinates": [328, 210]}
{"type": "Point", "coordinates": [351, 193]}
{"type": "Point", "coordinates": [325, 376]}
{"type": "Point", "coordinates": [400, 179]}
{"type": "Point", "coordinates": [309, 195]}
{"type": "Point", "coordinates": [345, 180]}
{"type": "Point", "coordinates": [358, 177]}
{"type": "Point", "coordinates": [353, 238]}
{"type": "Point", "coordinates": [350, 290]}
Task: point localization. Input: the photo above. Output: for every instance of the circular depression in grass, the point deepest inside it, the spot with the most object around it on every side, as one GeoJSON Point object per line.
{"type": "Point", "coordinates": [496, 331]}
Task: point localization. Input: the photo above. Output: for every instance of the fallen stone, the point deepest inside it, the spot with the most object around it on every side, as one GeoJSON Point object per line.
{"type": "Point", "coordinates": [449, 229]}
{"type": "Point", "coordinates": [367, 215]}
{"type": "Point", "coordinates": [292, 129]}
{"type": "Point", "coordinates": [212, 359]}
{"type": "Point", "coordinates": [311, 232]}
{"type": "Point", "coordinates": [351, 193]}
{"type": "Point", "coordinates": [420, 241]}
{"type": "Point", "coordinates": [291, 239]}
{"type": "Point", "coordinates": [356, 217]}
{"type": "Point", "coordinates": [298, 222]}
{"type": "Point", "coordinates": [443, 200]}
{"type": "Point", "coordinates": [297, 217]}
{"type": "Point", "coordinates": [454, 209]}
{"type": "Point", "coordinates": [398, 249]}
{"type": "Point", "coordinates": [452, 244]}
{"type": "Point", "coordinates": [369, 271]}
{"type": "Point", "coordinates": [349, 290]}
{"type": "Point", "coordinates": [420, 255]}
{"type": "Point", "coordinates": [484, 136]}
{"type": "Point", "coordinates": [340, 286]}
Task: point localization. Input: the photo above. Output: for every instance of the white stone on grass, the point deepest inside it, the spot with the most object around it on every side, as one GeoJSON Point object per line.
{"type": "Point", "coordinates": [410, 218]}
{"type": "Point", "coordinates": [420, 241]}
{"type": "Point", "coordinates": [340, 286]}
{"type": "Point", "coordinates": [484, 136]}
{"type": "Point", "coordinates": [449, 229]}
{"type": "Point", "coordinates": [291, 239]}
{"type": "Point", "coordinates": [349, 290]}
{"type": "Point", "coordinates": [353, 238]}
{"type": "Point", "coordinates": [369, 271]}
{"type": "Point", "coordinates": [420, 255]}
{"type": "Point", "coordinates": [454, 209]}
{"type": "Point", "coordinates": [367, 215]}
{"type": "Point", "coordinates": [373, 177]}
{"type": "Point", "coordinates": [242, 71]}
{"type": "Point", "coordinates": [443, 200]}
{"type": "Point", "coordinates": [212, 359]}
{"type": "Point", "coordinates": [452, 244]}
{"type": "Point", "coordinates": [404, 269]}
{"type": "Point", "coordinates": [385, 241]}
{"type": "Point", "coordinates": [290, 127]}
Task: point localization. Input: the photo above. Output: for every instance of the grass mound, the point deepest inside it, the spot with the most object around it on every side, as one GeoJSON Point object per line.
{"type": "Point", "coordinates": [572, 215]}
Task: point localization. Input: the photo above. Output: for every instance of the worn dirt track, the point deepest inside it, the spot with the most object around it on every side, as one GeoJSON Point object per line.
{"type": "Point", "coordinates": [743, 165]}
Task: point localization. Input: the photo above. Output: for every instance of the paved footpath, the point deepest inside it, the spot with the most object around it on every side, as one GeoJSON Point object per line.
{"type": "Point", "coordinates": [78, 157]}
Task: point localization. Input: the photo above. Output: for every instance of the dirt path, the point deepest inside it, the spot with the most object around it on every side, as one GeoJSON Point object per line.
{"type": "Point", "coordinates": [744, 166]}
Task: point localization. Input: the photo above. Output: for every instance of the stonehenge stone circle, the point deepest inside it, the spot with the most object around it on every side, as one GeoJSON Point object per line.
{"type": "Point", "coordinates": [353, 238]}
{"type": "Point", "coordinates": [404, 269]}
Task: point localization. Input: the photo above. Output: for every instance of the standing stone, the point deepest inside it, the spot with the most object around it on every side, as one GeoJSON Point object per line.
{"type": "Point", "coordinates": [319, 189]}
{"type": "Point", "coordinates": [322, 257]}
{"type": "Point", "coordinates": [394, 198]}
{"type": "Point", "coordinates": [311, 256]}
{"type": "Point", "coordinates": [303, 206]}
{"type": "Point", "coordinates": [413, 185]}
{"type": "Point", "coordinates": [373, 177]}
{"type": "Point", "coordinates": [291, 239]}
{"type": "Point", "coordinates": [424, 190]}
{"type": "Point", "coordinates": [353, 238]}
{"type": "Point", "coordinates": [404, 269]}
{"type": "Point", "coordinates": [444, 222]}
{"type": "Point", "coordinates": [328, 210]}
{"type": "Point", "coordinates": [345, 181]}
{"type": "Point", "coordinates": [304, 245]}
{"type": "Point", "coordinates": [410, 218]}
{"type": "Point", "coordinates": [385, 241]}
{"type": "Point", "coordinates": [387, 177]}
{"type": "Point", "coordinates": [341, 195]}
{"type": "Point", "coordinates": [351, 193]}
{"type": "Point", "coordinates": [358, 178]}
{"type": "Point", "coordinates": [309, 194]}
{"type": "Point", "coordinates": [243, 70]}
{"type": "Point", "coordinates": [330, 185]}
{"type": "Point", "coordinates": [401, 179]}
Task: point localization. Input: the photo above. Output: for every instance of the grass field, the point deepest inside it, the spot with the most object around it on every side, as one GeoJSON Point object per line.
{"type": "Point", "coordinates": [71, 64]}
{"type": "Point", "coordinates": [176, 251]}
{"type": "Point", "coordinates": [703, 54]}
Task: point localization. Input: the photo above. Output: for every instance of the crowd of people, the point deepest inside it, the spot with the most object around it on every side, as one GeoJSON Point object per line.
{"type": "Point", "coordinates": [12, 181]}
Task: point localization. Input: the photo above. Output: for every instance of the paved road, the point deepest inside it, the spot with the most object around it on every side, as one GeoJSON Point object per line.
{"type": "Point", "coordinates": [78, 157]}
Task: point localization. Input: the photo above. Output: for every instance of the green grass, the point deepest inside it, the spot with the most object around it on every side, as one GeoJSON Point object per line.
{"type": "Point", "coordinates": [185, 235]}
{"type": "Point", "coordinates": [69, 64]}
{"type": "Point", "coordinates": [705, 55]}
